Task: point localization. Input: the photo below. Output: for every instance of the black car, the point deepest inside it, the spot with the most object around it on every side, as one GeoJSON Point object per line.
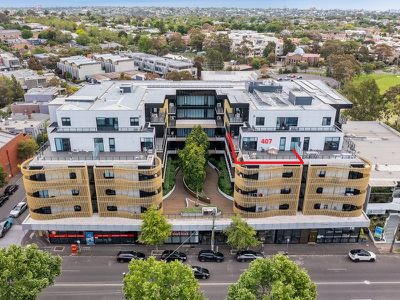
{"type": "Point", "coordinates": [170, 255]}
{"type": "Point", "coordinates": [209, 255]}
{"type": "Point", "coordinates": [127, 256]}
{"type": "Point", "coordinates": [200, 273]}
{"type": "Point", "coordinates": [10, 189]}
{"type": "Point", "coordinates": [248, 255]}
{"type": "Point", "coordinates": [3, 199]}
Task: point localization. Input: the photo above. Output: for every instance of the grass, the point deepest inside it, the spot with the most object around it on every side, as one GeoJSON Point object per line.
{"type": "Point", "coordinates": [169, 180]}
{"type": "Point", "coordinates": [197, 209]}
{"type": "Point", "coordinates": [383, 80]}
{"type": "Point", "coordinates": [224, 181]}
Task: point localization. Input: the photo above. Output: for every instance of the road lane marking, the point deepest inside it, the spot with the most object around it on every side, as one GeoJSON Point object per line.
{"type": "Point", "coordinates": [337, 269]}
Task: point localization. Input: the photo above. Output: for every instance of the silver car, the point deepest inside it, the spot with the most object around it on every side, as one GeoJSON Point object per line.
{"type": "Point", "coordinates": [18, 209]}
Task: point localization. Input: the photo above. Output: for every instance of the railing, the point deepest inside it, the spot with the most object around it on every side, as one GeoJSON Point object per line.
{"type": "Point", "coordinates": [160, 118]}
{"type": "Point", "coordinates": [292, 128]}
{"type": "Point", "coordinates": [234, 119]}
{"type": "Point", "coordinates": [171, 122]}
{"type": "Point", "coordinates": [172, 110]}
{"type": "Point", "coordinates": [95, 129]}
{"type": "Point", "coordinates": [219, 110]}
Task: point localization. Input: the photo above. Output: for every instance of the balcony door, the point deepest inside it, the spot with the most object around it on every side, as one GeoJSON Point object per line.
{"type": "Point", "coordinates": [98, 145]}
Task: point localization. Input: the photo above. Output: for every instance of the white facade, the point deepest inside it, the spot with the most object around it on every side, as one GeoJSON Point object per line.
{"type": "Point", "coordinates": [79, 67]}
{"type": "Point", "coordinates": [115, 63]}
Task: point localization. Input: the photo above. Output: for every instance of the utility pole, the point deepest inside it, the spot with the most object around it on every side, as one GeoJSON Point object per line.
{"type": "Point", "coordinates": [214, 214]}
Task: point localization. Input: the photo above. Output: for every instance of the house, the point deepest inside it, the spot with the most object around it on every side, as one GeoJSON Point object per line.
{"type": "Point", "coordinates": [79, 67]}
{"type": "Point", "coordinates": [299, 56]}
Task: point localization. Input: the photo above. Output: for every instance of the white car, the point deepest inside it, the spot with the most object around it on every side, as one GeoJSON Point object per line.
{"type": "Point", "coordinates": [18, 209]}
{"type": "Point", "coordinates": [361, 255]}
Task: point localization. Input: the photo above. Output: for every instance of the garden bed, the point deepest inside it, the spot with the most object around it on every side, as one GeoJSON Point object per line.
{"type": "Point", "coordinates": [224, 180]}
{"type": "Point", "coordinates": [170, 173]}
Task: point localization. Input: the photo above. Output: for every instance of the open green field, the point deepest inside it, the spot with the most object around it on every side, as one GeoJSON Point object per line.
{"type": "Point", "coordinates": [384, 81]}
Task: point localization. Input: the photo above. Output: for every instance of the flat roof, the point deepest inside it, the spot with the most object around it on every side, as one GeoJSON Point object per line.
{"type": "Point", "coordinates": [378, 143]}
{"type": "Point", "coordinates": [6, 137]}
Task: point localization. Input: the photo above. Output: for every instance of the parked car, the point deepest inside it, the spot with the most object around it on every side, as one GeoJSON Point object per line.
{"type": "Point", "coordinates": [200, 273]}
{"type": "Point", "coordinates": [361, 255]}
{"type": "Point", "coordinates": [18, 209]}
{"type": "Point", "coordinates": [170, 255]}
{"type": "Point", "coordinates": [10, 189]}
{"type": "Point", "coordinates": [3, 199]}
{"type": "Point", "coordinates": [209, 255]}
{"type": "Point", "coordinates": [127, 256]}
{"type": "Point", "coordinates": [299, 77]}
{"type": "Point", "coordinates": [248, 255]}
{"type": "Point", "coordinates": [5, 226]}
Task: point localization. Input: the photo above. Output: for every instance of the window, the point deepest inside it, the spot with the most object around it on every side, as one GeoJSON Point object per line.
{"type": "Point", "coordinates": [107, 124]}
{"type": "Point", "coordinates": [46, 210]}
{"type": "Point", "coordinates": [75, 192]}
{"type": "Point", "coordinates": [41, 194]}
{"type": "Point", "coordinates": [331, 143]}
{"type": "Point", "coordinates": [98, 145]}
{"type": "Point", "coordinates": [62, 145]}
{"type": "Point", "coordinates": [285, 190]}
{"type": "Point", "coordinates": [287, 174]}
{"type": "Point", "coordinates": [284, 123]}
{"type": "Point", "coordinates": [108, 174]}
{"type": "Point", "coordinates": [110, 192]}
{"type": "Point", "coordinates": [282, 144]}
{"type": "Point", "coordinates": [295, 141]}
{"type": "Point", "coordinates": [317, 206]}
{"type": "Point", "coordinates": [112, 208]}
{"type": "Point", "coordinates": [306, 144]}
{"type": "Point", "coordinates": [260, 121]}
{"type": "Point", "coordinates": [77, 208]}
{"type": "Point", "coordinates": [146, 143]}
{"type": "Point", "coordinates": [66, 121]}
{"type": "Point", "coordinates": [326, 121]}
{"type": "Point", "coordinates": [134, 121]}
{"type": "Point", "coordinates": [322, 173]}
{"type": "Point", "coordinates": [320, 190]}
{"type": "Point", "coordinates": [72, 175]}
{"type": "Point", "coordinates": [355, 175]}
{"type": "Point", "coordinates": [111, 142]}
{"type": "Point", "coordinates": [284, 207]}
{"type": "Point", "coordinates": [249, 143]}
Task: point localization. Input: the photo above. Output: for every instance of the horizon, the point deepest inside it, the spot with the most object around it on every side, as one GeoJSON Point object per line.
{"type": "Point", "coordinates": [288, 4]}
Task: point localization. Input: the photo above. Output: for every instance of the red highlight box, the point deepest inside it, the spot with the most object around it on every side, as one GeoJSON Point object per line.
{"type": "Point", "coordinates": [277, 162]}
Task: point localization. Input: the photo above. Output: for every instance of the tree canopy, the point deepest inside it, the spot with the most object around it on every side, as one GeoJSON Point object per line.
{"type": "Point", "coordinates": [240, 234]}
{"type": "Point", "coordinates": [26, 271]}
{"type": "Point", "coordinates": [3, 177]}
{"type": "Point", "coordinates": [27, 148]}
{"type": "Point", "coordinates": [151, 279]}
{"type": "Point", "coordinates": [276, 278]}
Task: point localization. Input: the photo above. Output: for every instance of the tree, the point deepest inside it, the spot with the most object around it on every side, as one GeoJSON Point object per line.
{"type": "Point", "coordinates": [270, 48]}
{"type": "Point", "coordinates": [27, 148]}
{"type": "Point", "coordinates": [196, 38]}
{"type": "Point", "coordinates": [17, 90]}
{"type": "Point", "coordinates": [392, 99]}
{"type": "Point", "coordinates": [34, 64]}
{"type": "Point", "coordinates": [276, 278]}
{"type": "Point", "coordinates": [271, 58]}
{"type": "Point", "coordinates": [144, 43]}
{"type": "Point", "coordinates": [368, 104]}
{"type": "Point", "coordinates": [240, 234]}
{"type": "Point", "coordinates": [155, 228]}
{"type": "Point", "coordinates": [152, 279]}
{"type": "Point", "coordinates": [26, 271]}
{"type": "Point", "coordinates": [198, 62]}
{"type": "Point", "coordinates": [288, 46]}
{"type": "Point", "coordinates": [176, 42]}
{"type": "Point", "coordinates": [343, 67]}
{"type": "Point", "coordinates": [199, 137]}
{"type": "Point", "coordinates": [3, 177]}
{"type": "Point", "coordinates": [214, 60]}
{"type": "Point", "coordinates": [6, 94]}
{"type": "Point", "coordinates": [258, 62]}
{"type": "Point", "coordinates": [193, 164]}
{"type": "Point", "coordinates": [220, 43]}
{"type": "Point", "coordinates": [26, 34]}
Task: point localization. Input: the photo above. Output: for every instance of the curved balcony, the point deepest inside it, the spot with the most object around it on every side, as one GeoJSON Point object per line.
{"type": "Point", "coordinates": [339, 181]}
{"type": "Point", "coordinates": [334, 213]}
{"type": "Point", "coordinates": [264, 214]}
{"type": "Point", "coordinates": [99, 171]}
{"type": "Point", "coordinates": [274, 169]}
{"type": "Point", "coordinates": [103, 212]}
{"type": "Point", "coordinates": [123, 184]}
{"type": "Point", "coordinates": [127, 200]}
{"type": "Point", "coordinates": [247, 201]}
{"type": "Point", "coordinates": [328, 198]}
{"type": "Point", "coordinates": [278, 182]}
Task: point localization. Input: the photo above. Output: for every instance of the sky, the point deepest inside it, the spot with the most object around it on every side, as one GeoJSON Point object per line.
{"type": "Point", "coordinates": [322, 4]}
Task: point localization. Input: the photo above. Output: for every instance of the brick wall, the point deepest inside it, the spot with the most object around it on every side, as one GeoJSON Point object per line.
{"type": "Point", "coordinates": [9, 155]}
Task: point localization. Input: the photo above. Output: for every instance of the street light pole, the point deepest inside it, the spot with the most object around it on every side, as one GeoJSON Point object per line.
{"type": "Point", "coordinates": [214, 213]}
{"type": "Point", "coordinates": [394, 238]}
{"type": "Point", "coordinates": [287, 246]}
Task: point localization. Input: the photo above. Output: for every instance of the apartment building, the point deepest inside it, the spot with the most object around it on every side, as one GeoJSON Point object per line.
{"type": "Point", "coordinates": [109, 143]}
{"type": "Point", "coordinates": [8, 61]}
{"type": "Point", "coordinates": [115, 63]}
{"type": "Point", "coordinates": [79, 67]}
{"type": "Point", "coordinates": [160, 65]}
{"type": "Point", "coordinates": [28, 78]}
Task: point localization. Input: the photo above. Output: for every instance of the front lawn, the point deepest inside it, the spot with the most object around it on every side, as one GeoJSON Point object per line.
{"type": "Point", "coordinates": [383, 80]}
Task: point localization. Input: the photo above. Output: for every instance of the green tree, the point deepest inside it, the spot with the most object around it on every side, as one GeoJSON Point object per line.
{"type": "Point", "coordinates": [3, 177]}
{"type": "Point", "coordinates": [198, 62]}
{"type": "Point", "coordinates": [176, 42]}
{"type": "Point", "coordinates": [368, 104]}
{"type": "Point", "coordinates": [196, 38]}
{"type": "Point", "coordinates": [151, 279]}
{"type": "Point", "coordinates": [26, 271]}
{"type": "Point", "coordinates": [276, 278]}
{"type": "Point", "coordinates": [34, 64]}
{"type": "Point", "coordinates": [258, 62]}
{"type": "Point", "coordinates": [144, 43]}
{"type": "Point", "coordinates": [155, 228]}
{"type": "Point", "coordinates": [27, 148]}
{"type": "Point", "coordinates": [240, 234]}
{"type": "Point", "coordinates": [271, 58]}
{"type": "Point", "coordinates": [392, 99]}
{"type": "Point", "coordinates": [214, 60]}
{"type": "Point", "coordinates": [193, 164]}
{"type": "Point", "coordinates": [343, 67]}
{"type": "Point", "coordinates": [26, 34]}
{"type": "Point", "coordinates": [288, 46]}
{"type": "Point", "coordinates": [6, 94]}
{"type": "Point", "coordinates": [17, 90]}
{"type": "Point", "coordinates": [199, 137]}
{"type": "Point", "coordinates": [270, 48]}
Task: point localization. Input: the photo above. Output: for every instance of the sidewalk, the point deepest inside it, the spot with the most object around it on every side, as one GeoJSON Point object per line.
{"type": "Point", "coordinates": [268, 249]}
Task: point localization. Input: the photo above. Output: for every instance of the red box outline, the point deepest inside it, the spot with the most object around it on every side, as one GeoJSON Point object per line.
{"type": "Point", "coordinates": [278, 162]}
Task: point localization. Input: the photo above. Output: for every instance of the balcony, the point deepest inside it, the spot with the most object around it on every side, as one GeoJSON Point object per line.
{"type": "Point", "coordinates": [157, 118]}
{"type": "Point", "coordinates": [53, 128]}
{"type": "Point", "coordinates": [171, 122]}
{"type": "Point", "coordinates": [235, 118]}
{"type": "Point", "coordinates": [172, 110]}
{"type": "Point", "coordinates": [219, 110]}
{"type": "Point", "coordinates": [291, 128]}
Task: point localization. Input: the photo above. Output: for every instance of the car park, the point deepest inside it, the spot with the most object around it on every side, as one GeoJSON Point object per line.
{"type": "Point", "coordinates": [361, 255]}
{"type": "Point", "coordinates": [209, 255]}
{"type": "Point", "coordinates": [248, 255]}
{"type": "Point", "coordinates": [3, 199]}
{"type": "Point", "coordinates": [170, 255]}
{"type": "Point", "coordinates": [127, 256]}
{"type": "Point", "coordinates": [10, 189]}
{"type": "Point", "coordinates": [18, 209]}
{"type": "Point", "coordinates": [200, 273]}
{"type": "Point", "coordinates": [5, 226]}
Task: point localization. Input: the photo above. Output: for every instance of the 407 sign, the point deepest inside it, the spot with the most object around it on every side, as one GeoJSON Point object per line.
{"type": "Point", "coordinates": [266, 141]}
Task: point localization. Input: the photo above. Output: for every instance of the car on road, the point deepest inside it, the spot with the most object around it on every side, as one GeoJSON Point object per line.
{"type": "Point", "coordinates": [209, 255]}
{"type": "Point", "coordinates": [10, 189]}
{"type": "Point", "coordinates": [5, 226]}
{"type": "Point", "coordinates": [361, 255]}
{"type": "Point", "coordinates": [127, 256]}
{"type": "Point", "coordinates": [248, 255]}
{"type": "Point", "coordinates": [299, 77]}
{"type": "Point", "coordinates": [3, 199]}
{"type": "Point", "coordinates": [170, 255]}
{"type": "Point", "coordinates": [200, 273]}
{"type": "Point", "coordinates": [18, 209]}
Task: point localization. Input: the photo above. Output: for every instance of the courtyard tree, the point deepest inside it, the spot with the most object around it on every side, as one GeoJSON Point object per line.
{"type": "Point", "coordinates": [27, 148]}
{"type": "Point", "coordinates": [199, 137]}
{"type": "Point", "coordinates": [26, 271]}
{"type": "Point", "coordinates": [193, 162]}
{"type": "Point", "coordinates": [152, 279]}
{"type": "Point", "coordinates": [241, 235]}
{"type": "Point", "coordinates": [155, 227]}
{"type": "Point", "coordinates": [276, 278]}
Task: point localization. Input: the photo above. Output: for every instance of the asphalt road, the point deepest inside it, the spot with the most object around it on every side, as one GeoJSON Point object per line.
{"type": "Point", "coordinates": [337, 278]}
{"type": "Point", "coordinates": [18, 196]}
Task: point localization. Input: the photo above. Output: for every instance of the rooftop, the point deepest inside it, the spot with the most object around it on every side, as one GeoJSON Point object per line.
{"type": "Point", "coordinates": [6, 137]}
{"type": "Point", "coordinates": [43, 91]}
{"type": "Point", "coordinates": [78, 60]}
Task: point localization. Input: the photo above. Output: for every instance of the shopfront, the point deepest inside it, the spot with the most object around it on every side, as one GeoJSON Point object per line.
{"type": "Point", "coordinates": [92, 237]}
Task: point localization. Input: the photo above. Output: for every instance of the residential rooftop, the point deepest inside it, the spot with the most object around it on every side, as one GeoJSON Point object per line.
{"type": "Point", "coordinates": [6, 137]}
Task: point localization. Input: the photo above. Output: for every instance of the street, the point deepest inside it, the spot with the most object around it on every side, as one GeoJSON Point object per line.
{"type": "Point", "coordinates": [337, 278]}
{"type": "Point", "coordinates": [18, 196]}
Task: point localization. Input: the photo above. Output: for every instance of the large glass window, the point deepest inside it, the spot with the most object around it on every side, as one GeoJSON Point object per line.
{"type": "Point", "coordinates": [282, 144]}
{"type": "Point", "coordinates": [195, 100]}
{"type": "Point", "coordinates": [326, 121]}
{"type": "Point", "coordinates": [62, 145]}
{"type": "Point", "coordinates": [249, 143]}
{"type": "Point", "coordinates": [98, 144]}
{"type": "Point", "coordinates": [331, 143]}
{"type": "Point", "coordinates": [66, 121]}
{"type": "Point", "coordinates": [284, 123]}
{"type": "Point", "coordinates": [295, 141]}
{"type": "Point", "coordinates": [260, 121]}
{"type": "Point", "coordinates": [105, 124]}
{"type": "Point", "coordinates": [111, 142]}
{"type": "Point", "coordinates": [134, 121]}
{"type": "Point", "coordinates": [306, 144]}
{"type": "Point", "coordinates": [146, 143]}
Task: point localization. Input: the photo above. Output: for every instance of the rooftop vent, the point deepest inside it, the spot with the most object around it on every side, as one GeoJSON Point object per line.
{"type": "Point", "coordinates": [297, 97]}
{"type": "Point", "coordinates": [266, 86]}
{"type": "Point", "coordinates": [126, 88]}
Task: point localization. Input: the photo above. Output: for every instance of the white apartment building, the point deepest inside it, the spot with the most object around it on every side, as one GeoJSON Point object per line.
{"type": "Point", "coordinates": [115, 63]}
{"type": "Point", "coordinates": [79, 67]}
